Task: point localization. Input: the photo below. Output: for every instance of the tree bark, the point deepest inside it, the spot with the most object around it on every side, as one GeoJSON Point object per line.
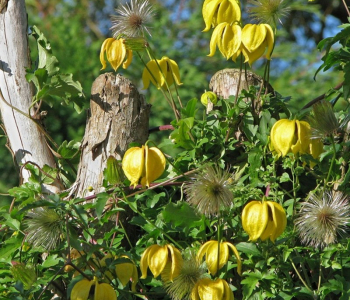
{"type": "Point", "coordinates": [118, 116]}
{"type": "Point", "coordinates": [26, 141]}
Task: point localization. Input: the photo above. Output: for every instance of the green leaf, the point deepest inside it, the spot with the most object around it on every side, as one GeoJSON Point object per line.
{"type": "Point", "coordinates": [249, 249]}
{"type": "Point", "coordinates": [69, 150]}
{"type": "Point", "coordinates": [181, 214]}
{"type": "Point", "coordinates": [190, 110]}
{"type": "Point", "coordinates": [51, 261]}
{"type": "Point", "coordinates": [101, 201]}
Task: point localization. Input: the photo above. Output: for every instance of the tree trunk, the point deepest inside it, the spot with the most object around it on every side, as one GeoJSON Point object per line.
{"type": "Point", "coordinates": [118, 116]}
{"type": "Point", "coordinates": [25, 139]}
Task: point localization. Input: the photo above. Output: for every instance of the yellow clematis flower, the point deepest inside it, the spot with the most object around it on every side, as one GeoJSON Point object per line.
{"type": "Point", "coordinates": [143, 164]}
{"type": "Point", "coordinates": [263, 219]}
{"type": "Point", "coordinates": [125, 271]}
{"type": "Point", "coordinates": [116, 53]}
{"type": "Point", "coordinates": [219, 11]}
{"type": "Point", "coordinates": [207, 288]}
{"type": "Point", "coordinates": [156, 259]}
{"type": "Point", "coordinates": [210, 250]}
{"type": "Point", "coordinates": [294, 136]}
{"type": "Point", "coordinates": [165, 72]}
{"type": "Point", "coordinates": [255, 39]}
{"type": "Point", "coordinates": [81, 290]}
{"type": "Point", "coordinates": [228, 39]}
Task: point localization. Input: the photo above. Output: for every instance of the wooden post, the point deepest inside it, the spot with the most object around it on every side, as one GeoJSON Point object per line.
{"type": "Point", "coordinates": [26, 141]}
{"type": "Point", "coordinates": [118, 116]}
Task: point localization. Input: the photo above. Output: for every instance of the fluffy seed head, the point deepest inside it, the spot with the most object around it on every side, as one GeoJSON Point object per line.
{"type": "Point", "coordinates": [322, 218]}
{"type": "Point", "coordinates": [132, 19]}
{"type": "Point", "coordinates": [210, 191]}
{"type": "Point", "coordinates": [269, 11]}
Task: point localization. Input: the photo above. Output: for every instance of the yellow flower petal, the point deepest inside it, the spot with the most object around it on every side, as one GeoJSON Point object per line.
{"type": "Point", "coordinates": [283, 136]}
{"type": "Point", "coordinates": [154, 165]}
{"type": "Point", "coordinates": [81, 290]}
{"type": "Point", "coordinates": [270, 40]}
{"type": "Point", "coordinates": [279, 218]}
{"type": "Point", "coordinates": [116, 53]}
{"type": "Point", "coordinates": [303, 138]}
{"type": "Point", "coordinates": [157, 259]}
{"type": "Point", "coordinates": [238, 257]}
{"type": "Point", "coordinates": [254, 219]}
{"type": "Point", "coordinates": [133, 164]}
{"type": "Point", "coordinates": [216, 38]}
{"type": "Point", "coordinates": [229, 11]}
{"type": "Point", "coordinates": [106, 44]}
{"type": "Point", "coordinates": [231, 41]}
{"type": "Point", "coordinates": [124, 271]}
{"type": "Point", "coordinates": [129, 58]}
{"type": "Point", "coordinates": [173, 70]}
{"type": "Point", "coordinates": [211, 289]}
{"type": "Point", "coordinates": [208, 11]}
{"type": "Point", "coordinates": [144, 262]}
{"type": "Point", "coordinates": [104, 291]}
{"type": "Point", "coordinates": [228, 295]}
{"type": "Point", "coordinates": [253, 36]}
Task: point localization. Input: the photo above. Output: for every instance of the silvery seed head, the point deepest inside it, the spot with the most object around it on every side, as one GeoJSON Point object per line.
{"type": "Point", "coordinates": [322, 218]}
{"type": "Point", "coordinates": [132, 19]}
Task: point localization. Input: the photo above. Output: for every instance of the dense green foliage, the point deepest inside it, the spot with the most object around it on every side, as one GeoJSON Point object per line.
{"type": "Point", "coordinates": [39, 232]}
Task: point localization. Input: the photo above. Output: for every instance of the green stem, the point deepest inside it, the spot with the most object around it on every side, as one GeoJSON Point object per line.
{"type": "Point", "coordinates": [219, 243]}
{"type": "Point", "coordinates": [301, 278]}
{"type": "Point", "coordinates": [333, 159]}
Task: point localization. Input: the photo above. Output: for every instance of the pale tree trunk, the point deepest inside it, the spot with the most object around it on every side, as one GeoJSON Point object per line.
{"type": "Point", "coordinates": [25, 139]}
{"type": "Point", "coordinates": [118, 116]}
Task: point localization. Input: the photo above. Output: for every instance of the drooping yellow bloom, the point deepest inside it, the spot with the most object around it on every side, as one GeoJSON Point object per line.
{"type": "Point", "coordinates": [210, 250]}
{"type": "Point", "coordinates": [255, 39]}
{"type": "Point", "coordinates": [81, 290]}
{"type": "Point", "coordinates": [143, 164]}
{"type": "Point", "coordinates": [157, 257]}
{"type": "Point", "coordinates": [263, 219]}
{"type": "Point", "coordinates": [228, 39]}
{"type": "Point", "coordinates": [219, 11]}
{"type": "Point", "coordinates": [207, 288]}
{"type": "Point", "coordinates": [125, 271]}
{"type": "Point", "coordinates": [294, 136]}
{"type": "Point", "coordinates": [116, 53]}
{"type": "Point", "coordinates": [161, 73]}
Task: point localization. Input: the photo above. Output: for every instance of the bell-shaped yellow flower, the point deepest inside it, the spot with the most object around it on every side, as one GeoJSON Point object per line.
{"type": "Point", "coordinates": [228, 39]}
{"type": "Point", "coordinates": [125, 271]}
{"type": "Point", "coordinates": [161, 73]}
{"type": "Point", "coordinates": [207, 288]}
{"type": "Point", "coordinates": [157, 257]}
{"type": "Point", "coordinates": [255, 39]}
{"type": "Point", "coordinates": [143, 164]}
{"type": "Point", "coordinates": [81, 290]}
{"type": "Point", "coordinates": [116, 53]}
{"type": "Point", "coordinates": [263, 219]}
{"type": "Point", "coordinates": [219, 11]}
{"type": "Point", "coordinates": [294, 136]}
{"type": "Point", "coordinates": [210, 250]}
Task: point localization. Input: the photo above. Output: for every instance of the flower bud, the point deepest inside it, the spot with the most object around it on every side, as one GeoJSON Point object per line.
{"type": "Point", "coordinates": [209, 96]}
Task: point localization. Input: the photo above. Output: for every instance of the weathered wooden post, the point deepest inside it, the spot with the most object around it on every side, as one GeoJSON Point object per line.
{"type": "Point", "coordinates": [118, 115]}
